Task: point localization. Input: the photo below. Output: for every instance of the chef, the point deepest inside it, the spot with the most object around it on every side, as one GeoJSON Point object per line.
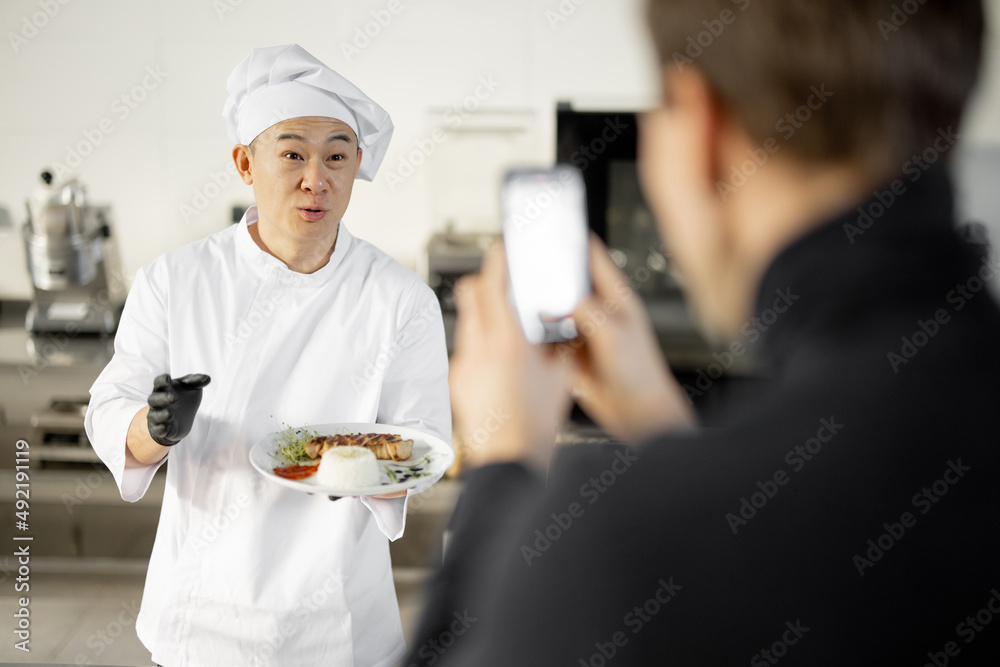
{"type": "Point", "coordinates": [284, 319]}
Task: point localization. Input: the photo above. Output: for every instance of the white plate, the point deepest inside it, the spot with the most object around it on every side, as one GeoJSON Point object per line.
{"type": "Point", "coordinates": [440, 456]}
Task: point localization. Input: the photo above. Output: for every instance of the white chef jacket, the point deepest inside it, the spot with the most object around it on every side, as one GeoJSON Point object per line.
{"type": "Point", "coordinates": [244, 571]}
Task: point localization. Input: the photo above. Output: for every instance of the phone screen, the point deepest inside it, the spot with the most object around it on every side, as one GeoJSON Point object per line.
{"type": "Point", "coordinates": [545, 234]}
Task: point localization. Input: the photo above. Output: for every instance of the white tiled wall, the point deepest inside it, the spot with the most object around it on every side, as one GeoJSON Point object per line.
{"type": "Point", "coordinates": [65, 65]}
{"type": "Point", "coordinates": [162, 154]}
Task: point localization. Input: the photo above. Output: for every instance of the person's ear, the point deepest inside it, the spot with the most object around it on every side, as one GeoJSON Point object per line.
{"type": "Point", "coordinates": [698, 114]}
{"type": "Point", "coordinates": [243, 162]}
{"type": "Point", "coordinates": [357, 167]}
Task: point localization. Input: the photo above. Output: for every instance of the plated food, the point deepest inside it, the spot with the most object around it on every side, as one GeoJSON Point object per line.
{"type": "Point", "coordinates": [307, 451]}
{"type": "Point", "coordinates": [351, 459]}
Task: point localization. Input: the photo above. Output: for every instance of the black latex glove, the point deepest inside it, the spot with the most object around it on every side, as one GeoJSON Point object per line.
{"type": "Point", "coordinates": [173, 405]}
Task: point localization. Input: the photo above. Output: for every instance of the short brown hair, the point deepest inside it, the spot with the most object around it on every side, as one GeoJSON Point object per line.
{"type": "Point", "coordinates": [898, 71]}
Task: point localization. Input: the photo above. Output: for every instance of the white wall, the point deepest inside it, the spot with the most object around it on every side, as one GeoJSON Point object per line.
{"type": "Point", "coordinates": [62, 79]}
{"type": "Point", "coordinates": [982, 122]}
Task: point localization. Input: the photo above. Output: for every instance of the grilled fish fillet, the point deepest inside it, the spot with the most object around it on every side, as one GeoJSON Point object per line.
{"type": "Point", "coordinates": [385, 446]}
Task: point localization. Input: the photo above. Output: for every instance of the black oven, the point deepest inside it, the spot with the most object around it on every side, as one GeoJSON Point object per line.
{"type": "Point", "coordinates": [602, 144]}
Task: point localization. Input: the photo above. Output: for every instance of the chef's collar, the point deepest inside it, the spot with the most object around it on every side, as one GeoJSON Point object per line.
{"type": "Point", "coordinates": [266, 263]}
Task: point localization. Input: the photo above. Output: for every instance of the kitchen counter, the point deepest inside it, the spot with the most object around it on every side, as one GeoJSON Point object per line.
{"type": "Point", "coordinates": [36, 369]}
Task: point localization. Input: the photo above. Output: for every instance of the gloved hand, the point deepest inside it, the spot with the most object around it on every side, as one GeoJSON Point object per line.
{"type": "Point", "coordinates": [173, 405]}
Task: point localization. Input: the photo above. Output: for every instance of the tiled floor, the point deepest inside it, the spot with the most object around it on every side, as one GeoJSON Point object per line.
{"type": "Point", "coordinates": [80, 619]}
{"type": "Point", "coordinates": [89, 561]}
{"type": "Point", "coordinates": [89, 619]}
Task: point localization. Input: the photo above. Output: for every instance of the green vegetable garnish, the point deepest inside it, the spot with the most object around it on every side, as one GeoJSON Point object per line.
{"type": "Point", "coordinates": [290, 446]}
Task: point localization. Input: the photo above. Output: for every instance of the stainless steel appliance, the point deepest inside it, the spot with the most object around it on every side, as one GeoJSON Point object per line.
{"type": "Point", "coordinates": [73, 262]}
{"type": "Point", "coordinates": [451, 255]}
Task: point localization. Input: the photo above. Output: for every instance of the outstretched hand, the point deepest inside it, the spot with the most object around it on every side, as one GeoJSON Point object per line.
{"type": "Point", "coordinates": [174, 404]}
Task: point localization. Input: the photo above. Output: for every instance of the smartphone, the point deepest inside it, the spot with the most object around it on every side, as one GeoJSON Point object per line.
{"type": "Point", "coordinates": [545, 234]}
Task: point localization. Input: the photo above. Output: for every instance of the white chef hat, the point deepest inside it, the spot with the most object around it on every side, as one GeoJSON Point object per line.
{"type": "Point", "coordinates": [276, 83]}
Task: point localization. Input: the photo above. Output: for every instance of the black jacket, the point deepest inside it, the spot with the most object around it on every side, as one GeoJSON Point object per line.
{"type": "Point", "coordinates": [845, 512]}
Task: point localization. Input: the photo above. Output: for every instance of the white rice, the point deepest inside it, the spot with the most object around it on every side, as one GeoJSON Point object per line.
{"type": "Point", "coordinates": [348, 467]}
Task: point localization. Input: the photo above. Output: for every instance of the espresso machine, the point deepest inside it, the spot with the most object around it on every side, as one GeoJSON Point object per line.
{"type": "Point", "coordinates": [73, 262]}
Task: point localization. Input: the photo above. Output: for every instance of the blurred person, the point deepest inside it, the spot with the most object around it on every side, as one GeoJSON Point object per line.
{"type": "Point", "coordinates": [283, 319]}
{"type": "Point", "coordinates": [844, 510]}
